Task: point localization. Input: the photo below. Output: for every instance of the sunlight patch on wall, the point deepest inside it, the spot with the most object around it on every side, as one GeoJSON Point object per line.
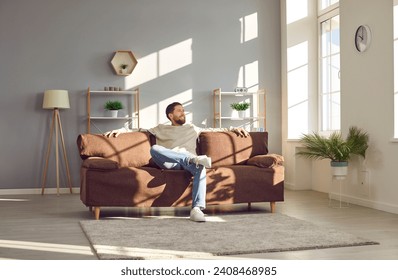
{"type": "Point", "coordinates": [297, 56]}
{"type": "Point", "coordinates": [160, 63]}
{"type": "Point", "coordinates": [185, 98]}
{"type": "Point", "coordinates": [251, 75]}
{"type": "Point", "coordinates": [248, 28]}
{"type": "Point", "coordinates": [298, 90]}
{"type": "Point", "coordinates": [145, 71]}
{"type": "Point", "coordinates": [151, 110]}
{"type": "Point", "coordinates": [175, 57]}
{"type": "Point", "coordinates": [296, 10]}
{"type": "Point", "coordinates": [248, 76]}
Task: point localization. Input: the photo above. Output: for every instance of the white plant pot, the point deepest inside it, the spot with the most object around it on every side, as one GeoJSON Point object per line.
{"type": "Point", "coordinates": [242, 114]}
{"type": "Point", "coordinates": [339, 169]}
{"type": "Point", "coordinates": [234, 115]}
{"type": "Point", "coordinates": [114, 113]}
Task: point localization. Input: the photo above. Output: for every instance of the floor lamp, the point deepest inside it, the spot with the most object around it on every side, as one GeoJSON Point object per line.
{"type": "Point", "coordinates": [55, 100]}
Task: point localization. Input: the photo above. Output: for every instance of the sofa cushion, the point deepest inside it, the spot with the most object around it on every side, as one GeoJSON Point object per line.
{"type": "Point", "coordinates": [266, 161]}
{"type": "Point", "coordinates": [226, 148]}
{"type": "Point", "coordinates": [128, 149]}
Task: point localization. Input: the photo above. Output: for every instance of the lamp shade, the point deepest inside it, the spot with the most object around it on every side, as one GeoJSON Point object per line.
{"type": "Point", "coordinates": [56, 98]}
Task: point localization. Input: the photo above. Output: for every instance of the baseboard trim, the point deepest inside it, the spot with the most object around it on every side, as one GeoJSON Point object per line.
{"type": "Point", "coordinates": [294, 187]}
{"type": "Point", "coordinates": [386, 207]}
{"type": "Point", "coordinates": [75, 190]}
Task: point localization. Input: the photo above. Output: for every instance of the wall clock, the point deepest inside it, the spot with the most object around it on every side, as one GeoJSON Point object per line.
{"type": "Point", "coordinates": [363, 37]}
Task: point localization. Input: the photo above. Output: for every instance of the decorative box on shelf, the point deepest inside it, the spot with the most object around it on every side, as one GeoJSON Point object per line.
{"type": "Point", "coordinates": [124, 62]}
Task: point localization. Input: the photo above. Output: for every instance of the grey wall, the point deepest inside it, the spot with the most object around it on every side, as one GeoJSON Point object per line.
{"type": "Point", "coordinates": [68, 44]}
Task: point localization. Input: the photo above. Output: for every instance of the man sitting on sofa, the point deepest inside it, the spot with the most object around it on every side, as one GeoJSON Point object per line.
{"type": "Point", "coordinates": [176, 149]}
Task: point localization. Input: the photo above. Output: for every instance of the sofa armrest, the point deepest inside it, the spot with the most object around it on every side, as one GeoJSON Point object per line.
{"type": "Point", "coordinates": [266, 161]}
{"type": "Point", "coordinates": [100, 163]}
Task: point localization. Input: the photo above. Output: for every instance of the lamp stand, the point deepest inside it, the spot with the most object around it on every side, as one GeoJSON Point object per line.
{"type": "Point", "coordinates": [56, 123]}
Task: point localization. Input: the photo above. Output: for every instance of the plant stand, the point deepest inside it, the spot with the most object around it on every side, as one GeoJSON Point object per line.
{"type": "Point", "coordinates": [337, 203]}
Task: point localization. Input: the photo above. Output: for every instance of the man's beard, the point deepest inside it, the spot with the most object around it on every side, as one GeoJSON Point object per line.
{"type": "Point", "coordinates": [180, 121]}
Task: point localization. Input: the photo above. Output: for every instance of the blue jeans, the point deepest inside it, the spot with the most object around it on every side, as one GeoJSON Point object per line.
{"type": "Point", "coordinates": [169, 159]}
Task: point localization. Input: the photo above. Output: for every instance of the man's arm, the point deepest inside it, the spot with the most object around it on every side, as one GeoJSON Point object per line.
{"type": "Point", "coordinates": [238, 130]}
{"type": "Point", "coordinates": [117, 132]}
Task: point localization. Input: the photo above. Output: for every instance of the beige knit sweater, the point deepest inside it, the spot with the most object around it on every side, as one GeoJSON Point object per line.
{"type": "Point", "coordinates": [179, 138]}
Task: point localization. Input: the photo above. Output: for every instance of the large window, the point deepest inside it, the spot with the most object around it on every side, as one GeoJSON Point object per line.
{"type": "Point", "coordinates": [329, 77]}
{"type": "Point", "coordinates": [324, 4]}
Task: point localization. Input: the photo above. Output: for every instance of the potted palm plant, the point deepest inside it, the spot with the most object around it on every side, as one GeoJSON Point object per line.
{"type": "Point", "coordinates": [113, 106]}
{"type": "Point", "coordinates": [335, 148]}
{"type": "Point", "coordinates": [240, 108]}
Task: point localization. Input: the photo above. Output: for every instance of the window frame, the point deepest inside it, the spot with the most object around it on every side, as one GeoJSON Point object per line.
{"type": "Point", "coordinates": [324, 15]}
{"type": "Point", "coordinates": [328, 8]}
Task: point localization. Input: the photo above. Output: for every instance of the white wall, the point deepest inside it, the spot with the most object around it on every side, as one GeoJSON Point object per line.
{"type": "Point", "coordinates": [299, 93]}
{"type": "Point", "coordinates": [367, 85]}
{"type": "Point", "coordinates": [367, 102]}
{"type": "Point", "coordinates": [185, 49]}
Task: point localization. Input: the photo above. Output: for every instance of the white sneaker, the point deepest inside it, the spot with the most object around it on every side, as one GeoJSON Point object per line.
{"type": "Point", "coordinates": [202, 160]}
{"type": "Point", "coordinates": [197, 215]}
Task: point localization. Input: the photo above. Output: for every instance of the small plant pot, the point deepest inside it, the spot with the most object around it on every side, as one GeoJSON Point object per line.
{"type": "Point", "coordinates": [238, 115]}
{"type": "Point", "coordinates": [112, 113]}
{"type": "Point", "coordinates": [234, 115]}
{"type": "Point", "coordinates": [339, 169]}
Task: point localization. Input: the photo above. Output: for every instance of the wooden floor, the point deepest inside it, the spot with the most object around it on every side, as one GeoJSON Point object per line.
{"type": "Point", "coordinates": [47, 227]}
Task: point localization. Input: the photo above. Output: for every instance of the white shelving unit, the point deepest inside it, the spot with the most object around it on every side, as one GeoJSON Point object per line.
{"type": "Point", "coordinates": [133, 108]}
{"type": "Point", "coordinates": [257, 100]}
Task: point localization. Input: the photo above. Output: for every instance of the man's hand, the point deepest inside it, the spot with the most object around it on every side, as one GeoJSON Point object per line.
{"type": "Point", "coordinates": [113, 133]}
{"type": "Point", "coordinates": [240, 131]}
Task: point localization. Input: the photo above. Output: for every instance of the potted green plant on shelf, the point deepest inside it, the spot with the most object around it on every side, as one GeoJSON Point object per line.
{"type": "Point", "coordinates": [240, 108]}
{"type": "Point", "coordinates": [123, 68]}
{"type": "Point", "coordinates": [335, 148]}
{"type": "Point", "coordinates": [113, 106]}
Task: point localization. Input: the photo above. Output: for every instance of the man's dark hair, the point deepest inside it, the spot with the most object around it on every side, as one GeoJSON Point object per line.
{"type": "Point", "coordinates": [170, 108]}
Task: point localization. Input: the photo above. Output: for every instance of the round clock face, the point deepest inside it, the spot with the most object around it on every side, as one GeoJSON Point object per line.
{"type": "Point", "coordinates": [362, 38]}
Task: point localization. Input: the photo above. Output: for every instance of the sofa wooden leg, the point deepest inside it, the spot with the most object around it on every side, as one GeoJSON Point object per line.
{"type": "Point", "coordinates": [273, 205]}
{"type": "Point", "coordinates": [90, 208]}
{"type": "Point", "coordinates": [97, 211]}
{"type": "Point", "coordinates": [249, 206]}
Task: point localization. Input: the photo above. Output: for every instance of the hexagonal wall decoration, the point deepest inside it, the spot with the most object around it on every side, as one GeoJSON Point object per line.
{"type": "Point", "coordinates": [124, 62]}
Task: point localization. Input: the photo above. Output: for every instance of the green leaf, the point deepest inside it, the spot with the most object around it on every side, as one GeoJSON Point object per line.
{"type": "Point", "coordinates": [113, 105]}
{"type": "Point", "coordinates": [334, 147]}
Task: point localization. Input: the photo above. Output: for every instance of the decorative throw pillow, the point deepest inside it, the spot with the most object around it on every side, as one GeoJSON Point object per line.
{"type": "Point", "coordinates": [266, 161]}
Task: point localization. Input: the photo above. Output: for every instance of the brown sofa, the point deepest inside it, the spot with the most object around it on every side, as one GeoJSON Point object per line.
{"type": "Point", "coordinates": [119, 172]}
